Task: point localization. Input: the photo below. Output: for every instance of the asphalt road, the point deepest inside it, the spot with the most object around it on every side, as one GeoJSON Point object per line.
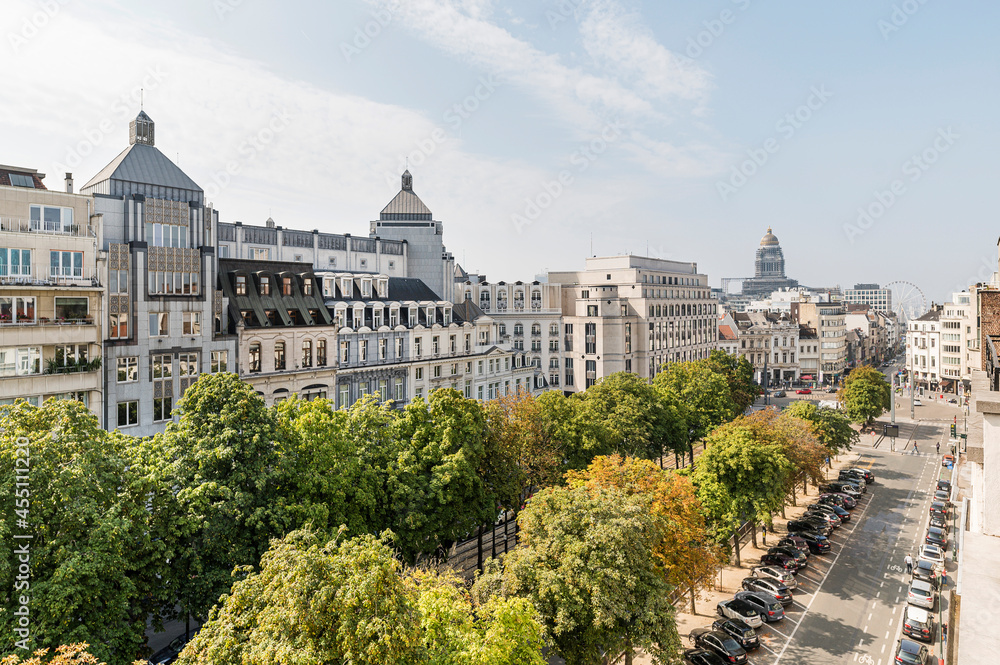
{"type": "Point", "coordinates": [849, 603]}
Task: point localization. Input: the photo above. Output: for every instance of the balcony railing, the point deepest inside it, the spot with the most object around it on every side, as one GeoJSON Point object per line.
{"type": "Point", "coordinates": [16, 225]}
{"type": "Point", "coordinates": [42, 321]}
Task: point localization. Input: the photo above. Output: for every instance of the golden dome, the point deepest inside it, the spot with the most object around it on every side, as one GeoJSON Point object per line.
{"type": "Point", "coordinates": [769, 239]}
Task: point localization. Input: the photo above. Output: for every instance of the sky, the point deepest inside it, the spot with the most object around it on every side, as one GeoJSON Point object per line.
{"type": "Point", "coordinates": [540, 132]}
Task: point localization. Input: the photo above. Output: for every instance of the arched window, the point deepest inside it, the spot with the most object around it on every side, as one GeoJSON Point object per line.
{"type": "Point", "coordinates": [307, 353]}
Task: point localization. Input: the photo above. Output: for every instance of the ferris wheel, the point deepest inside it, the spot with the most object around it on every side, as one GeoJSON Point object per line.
{"type": "Point", "coordinates": [908, 301]}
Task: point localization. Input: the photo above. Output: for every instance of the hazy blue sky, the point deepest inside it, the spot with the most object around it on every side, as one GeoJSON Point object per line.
{"type": "Point", "coordinates": [648, 113]}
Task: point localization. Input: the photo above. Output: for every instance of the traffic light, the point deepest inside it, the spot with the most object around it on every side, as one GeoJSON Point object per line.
{"type": "Point", "coordinates": [953, 431]}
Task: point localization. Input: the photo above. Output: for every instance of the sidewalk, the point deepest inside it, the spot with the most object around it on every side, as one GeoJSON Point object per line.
{"type": "Point", "coordinates": [728, 581]}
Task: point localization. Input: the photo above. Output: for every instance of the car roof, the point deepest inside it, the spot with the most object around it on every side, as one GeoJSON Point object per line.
{"type": "Point", "coordinates": [909, 646]}
{"type": "Point", "coordinates": [935, 530]}
{"type": "Point", "coordinates": [921, 585]}
{"type": "Point", "coordinates": [918, 614]}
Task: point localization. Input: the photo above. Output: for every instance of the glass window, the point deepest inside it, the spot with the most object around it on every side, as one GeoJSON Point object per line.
{"type": "Point", "coordinates": [265, 285]}
{"type": "Point", "coordinates": [241, 285]}
{"type": "Point", "coordinates": [118, 326]}
{"type": "Point", "coordinates": [286, 286]}
{"type": "Point", "coordinates": [321, 353]}
{"type": "Point", "coordinates": [159, 324]}
{"type": "Point", "coordinates": [220, 361]}
{"type": "Point", "coordinates": [191, 323]}
{"type": "Point", "coordinates": [307, 286]}
{"type": "Point", "coordinates": [253, 359]}
{"type": "Point", "coordinates": [128, 369]}
{"type": "Point", "coordinates": [72, 308]}
{"type": "Point", "coordinates": [279, 355]}
{"type": "Point", "coordinates": [128, 413]}
{"type": "Point", "coordinates": [307, 353]}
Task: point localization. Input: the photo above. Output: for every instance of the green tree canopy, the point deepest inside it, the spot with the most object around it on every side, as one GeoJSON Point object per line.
{"type": "Point", "coordinates": [638, 422]}
{"type": "Point", "coordinates": [699, 393]}
{"type": "Point", "coordinates": [567, 425]}
{"type": "Point", "coordinates": [743, 390]}
{"type": "Point", "coordinates": [832, 426]}
{"type": "Point", "coordinates": [587, 564]}
{"type": "Point", "coordinates": [865, 395]}
{"type": "Point", "coordinates": [90, 550]}
{"type": "Point", "coordinates": [436, 486]}
{"type": "Point", "coordinates": [350, 601]}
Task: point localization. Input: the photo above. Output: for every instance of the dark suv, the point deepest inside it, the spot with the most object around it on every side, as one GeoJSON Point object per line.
{"type": "Point", "coordinates": [744, 635]}
{"type": "Point", "coordinates": [817, 544]}
{"type": "Point", "coordinates": [808, 525]}
{"type": "Point", "coordinates": [773, 588]}
{"type": "Point", "coordinates": [719, 642]}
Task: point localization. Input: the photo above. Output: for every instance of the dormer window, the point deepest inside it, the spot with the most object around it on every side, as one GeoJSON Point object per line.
{"type": "Point", "coordinates": [241, 285]}
{"type": "Point", "coordinates": [347, 287]}
{"type": "Point", "coordinates": [286, 286]}
{"type": "Point", "coordinates": [430, 315]}
{"type": "Point", "coordinates": [366, 288]}
{"type": "Point", "coordinates": [307, 286]}
{"type": "Point", "coordinates": [19, 180]}
{"type": "Point", "coordinates": [265, 285]}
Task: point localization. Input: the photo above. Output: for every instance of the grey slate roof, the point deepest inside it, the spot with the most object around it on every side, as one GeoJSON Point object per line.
{"type": "Point", "coordinates": [467, 311]}
{"type": "Point", "coordinates": [407, 204]}
{"type": "Point", "coordinates": [147, 165]}
{"type": "Point", "coordinates": [410, 288]}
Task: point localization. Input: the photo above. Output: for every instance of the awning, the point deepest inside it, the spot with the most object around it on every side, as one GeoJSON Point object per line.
{"type": "Point", "coordinates": [806, 377]}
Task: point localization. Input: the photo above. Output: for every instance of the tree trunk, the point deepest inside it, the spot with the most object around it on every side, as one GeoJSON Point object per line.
{"type": "Point", "coordinates": [677, 460]}
{"type": "Point", "coordinates": [805, 485]}
{"type": "Point", "coordinates": [753, 532]}
{"type": "Point", "coordinates": [628, 654]}
{"type": "Point", "coordinates": [479, 548]}
{"type": "Point", "coordinates": [506, 538]}
{"type": "Point", "coordinates": [783, 511]}
{"type": "Point", "coordinates": [691, 450]}
{"type": "Point", "coordinates": [493, 540]}
{"type": "Point", "coordinates": [736, 546]}
{"type": "Point", "coordinates": [793, 495]}
{"type": "Point", "coordinates": [692, 600]}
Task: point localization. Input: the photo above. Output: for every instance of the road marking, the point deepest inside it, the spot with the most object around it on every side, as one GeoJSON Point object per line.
{"type": "Point", "coordinates": [870, 615]}
{"type": "Point", "coordinates": [779, 633]}
{"type": "Point", "coordinates": [883, 649]}
{"type": "Point", "coordinates": [866, 628]}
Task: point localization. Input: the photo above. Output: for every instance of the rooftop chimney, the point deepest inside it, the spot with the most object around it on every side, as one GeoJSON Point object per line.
{"type": "Point", "coordinates": [69, 183]}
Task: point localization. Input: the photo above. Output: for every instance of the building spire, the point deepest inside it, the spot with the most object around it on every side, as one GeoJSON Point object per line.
{"type": "Point", "coordinates": [141, 130]}
{"type": "Point", "coordinates": [407, 181]}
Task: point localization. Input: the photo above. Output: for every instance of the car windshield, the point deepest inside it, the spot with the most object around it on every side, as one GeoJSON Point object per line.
{"type": "Point", "coordinates": [774, 606]}
{"type": "Point", "coordinates": [748, 634]}
{"type": "Point", "coordinates": [920, 592]}
{"type": "Point", "coordinates": [729, 644]}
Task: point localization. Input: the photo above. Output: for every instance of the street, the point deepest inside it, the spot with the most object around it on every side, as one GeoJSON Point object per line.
{"type": "Point", "coordinates": [849, 604]}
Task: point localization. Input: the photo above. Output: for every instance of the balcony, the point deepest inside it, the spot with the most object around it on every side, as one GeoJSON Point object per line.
{"type": "Point", "coordinates": [43, 331]}
{"type": "Point", "coordinates": [16, 225]}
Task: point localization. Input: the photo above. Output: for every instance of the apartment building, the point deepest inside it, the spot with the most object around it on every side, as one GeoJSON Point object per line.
{"type": "Point", "coordinates": [165, 321]}
{"type": "Point", "coordinates": [873, 295]}
{"type": "Point", "coordinates": [923, 349]}
{"type": "Point", "coordinates": [827, 319]}
{"type": "Point", "coordinates": [769, 341]}
{"type": "Point", "coordinates": [633, 314]}
{"type": "Point", "coordinates": [51, 295]}
{"type": "Point", "coordinates": [528, 316]}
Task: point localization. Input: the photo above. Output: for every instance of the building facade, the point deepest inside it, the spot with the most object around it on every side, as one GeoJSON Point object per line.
{"type": "Point", "coordinates": [51, 292]}
{"type": "Point", "coordinates": [633, 314]}
{"type": "Point", "coordinates": [165, 320]}
{"type": "Point", "coordinates": [873, 295]}
{"type": "Point", "coordinates": [923, 349]}
{"type": "Point", "coordinates": [769, 342]}
{"type": "Point", "coordinates": [769, 269]}
{"type": "Point", "coordinates": [528, 316]}
{"type": "Point", "coordinates": [827, 319]}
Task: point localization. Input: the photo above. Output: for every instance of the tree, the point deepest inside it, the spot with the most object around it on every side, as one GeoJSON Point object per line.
{"type": "Point", "coordinates": [637, 420]}
{"type": "Point", "coordinates": [69, 485]}
{"type": "Point", "coordinates": [314, 602]}
{"type": "Point", "coordinates": [743, 390]}
{"type": "Point", "coordinates": [350, 601]}
{"type": "Point", "coordinates": [569, 430]}
{"type": "Point", "coordinates": [865, 395]}
{"type": "Point", "coordinates": [587, 565]}
{"type": "Point", "coordinates": [704, 394]}
{"type": "Point", "coordinates": [743, 473]}
{"type": "Point", "coordinates": [436, 487]}
{"type": "Point", "coordinates": [832, 426]}
{"type": "Point", "coordinates": [686, 551]}
{"type": "Point", "coordinates": [68, 654]}
{"type": "Point", "coordinates": [219, 495]}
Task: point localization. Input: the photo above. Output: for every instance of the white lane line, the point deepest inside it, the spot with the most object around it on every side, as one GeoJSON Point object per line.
{"type": "Point", "coordinates": [779, 633]}
{"type": "Point", "coordinates": [866, 628]}
{"type": "Point", "coordinates": [764, 646]}
{"type": "Point", "coordinates": [816, 593]}
{"type": "Point", "coordinates": [887, 634]}
{"type": "Point", "coordinates": [870, 615]}
{"type": "Point", "coordinates": [883, 649]}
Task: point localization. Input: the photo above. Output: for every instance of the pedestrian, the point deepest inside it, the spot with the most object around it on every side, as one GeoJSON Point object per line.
{"type": "Point", "coordinates": [763, 533]}
{"type": "Point", "coordinates": [909, 564]}
{"type": "Point", "coordinates": [915, 450]}
{"type": "Point", "coordinates": [944, 632]}
{"type": "Point", "coordinates": [937, 447]}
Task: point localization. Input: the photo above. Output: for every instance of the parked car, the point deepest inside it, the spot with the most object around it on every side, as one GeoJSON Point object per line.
{"type": "Point", "coordinates": [940, 521]}
{"type": "Point", "coordinates": [830, 519]}
{"type": "Point", "coordinates": [835, 499]}
{"type": "Point", "coordinates": [806, 523]}
{"type": "Point", "coordinates": [720, 643]}
{"type": "Point", "coordinates": [779, 591]}
{"type": "Point", "coordinates": [844, 515]}
{"type": "Point", "coordinates": [817, 544]}
{"type": "Point", "coordinates": [926, 571]}
{"type": "Point", "coordinates": [781, 561]}
{"type": "Point", "coordinates": [909, 652]}
{"type": "Point", "coordinates": [831, 389]}
{"type": "Point", "coordinates": [769, 608]}
{"type": "Point", "coordinates": [803, 391]}
{"type": "Point", "coordinates": [936, 536]}
{"type": "Point", "coordinates": [703, 657]}
{"type": "Point", "coordinates": [866, 474]}
{"type": "Point", "coordinates": [918, 624]}
{"type": "Point", "coordinates": [794, 540]}
{"type": "Point", "coordinates": [739, 631]}
{"type": "Point", "coordinates": [944, 485]}
{"type": "Point", "coordinates": [921, 594]}
{"type": "Point", "coordinates": [917, 402]}
{"type": "Point", "coordinates": [778, 393]}
{"type": "Point", "coordinates": [939, 507]}
{"type": "Point", "coordinates": [943, 497]}
{"type": "Point", "coordinates": [852, 476]}
{"type": "Point", "coordinates": [933, 554]}
{"type": "Point", "coordinates": [947, 460]}
{"type": "Point", "coordinates": [801, 558]}
{"type": "Point", "coordinates": [843, 487]}
{"type": "Point", "coordinates": [169, 653]}
{"type": "Point", "coordinates": [742, 610]}
{"type": "Point", "coordinates": [774, 573]}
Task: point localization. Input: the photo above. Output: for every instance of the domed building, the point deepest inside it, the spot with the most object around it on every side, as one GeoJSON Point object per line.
{"type": "Point", "coordinates": [769, 269]}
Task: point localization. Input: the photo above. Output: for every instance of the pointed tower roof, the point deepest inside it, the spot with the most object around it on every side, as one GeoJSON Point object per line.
{"type": "Point", "coordinates": [142, 162]}
{"type": "Point", "coordinates": [406, 205]}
